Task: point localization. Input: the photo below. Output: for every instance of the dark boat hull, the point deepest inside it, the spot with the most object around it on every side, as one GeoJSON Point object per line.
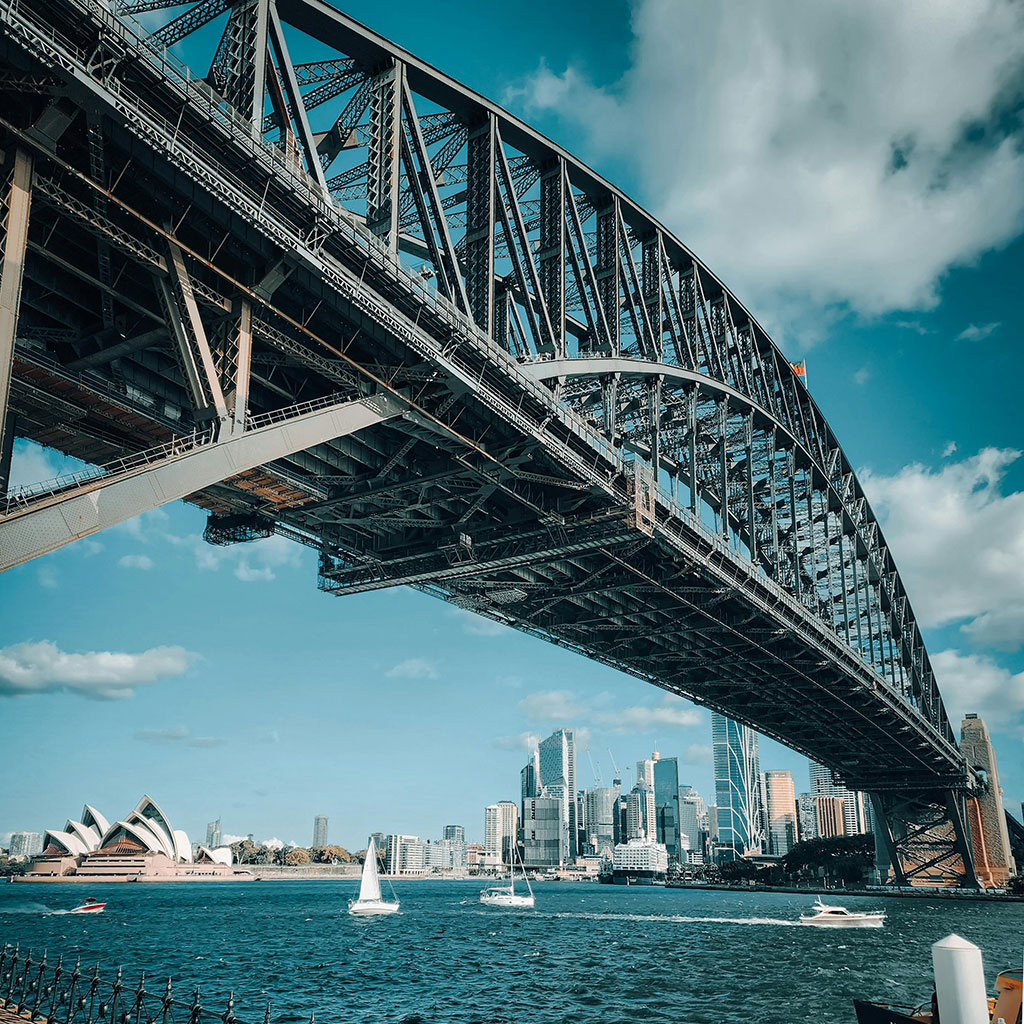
{"type": "Point", "coordinates": [879, 1013]}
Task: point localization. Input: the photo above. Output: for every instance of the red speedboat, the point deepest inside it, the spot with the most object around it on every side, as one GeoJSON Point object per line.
{"type": "Point", "coordinates": [90, 906]}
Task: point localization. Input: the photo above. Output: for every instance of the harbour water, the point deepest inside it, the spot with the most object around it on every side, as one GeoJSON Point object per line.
{"type": "Point", "coordinates": [588, 953]}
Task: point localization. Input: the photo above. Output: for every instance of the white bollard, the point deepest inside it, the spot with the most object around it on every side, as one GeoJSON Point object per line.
{"type": "Point", "coordinates": [959, 981]}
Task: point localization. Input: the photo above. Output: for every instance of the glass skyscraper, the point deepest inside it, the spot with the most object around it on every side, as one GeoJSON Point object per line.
{"type": "Point", "coordinates": [737, 787]}
{"type": "Point", "coordinates": [320, 830]}
{"type": "Point", "coordinates": [666, 800]}
{"type": "Point", "coordinates": [557, 757]}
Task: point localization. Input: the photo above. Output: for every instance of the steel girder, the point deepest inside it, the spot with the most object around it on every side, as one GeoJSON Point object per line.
{"type": "Point", "coordinates": [663, 402]}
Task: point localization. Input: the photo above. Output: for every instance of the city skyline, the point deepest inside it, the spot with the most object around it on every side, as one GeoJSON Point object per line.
{"type": "Point", "coordinates": [114, 637]}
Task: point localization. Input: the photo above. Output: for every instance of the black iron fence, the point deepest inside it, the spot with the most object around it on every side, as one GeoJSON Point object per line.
{"type": "Point", "coordinates": [38, 989]}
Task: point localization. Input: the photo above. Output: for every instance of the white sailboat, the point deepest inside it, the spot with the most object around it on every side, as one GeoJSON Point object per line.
{"type": "Point", "coordinates": [369, 900]}
{"type": "Point", "coordinates": [506, 895]}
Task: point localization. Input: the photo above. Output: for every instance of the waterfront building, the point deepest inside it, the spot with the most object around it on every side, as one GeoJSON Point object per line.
{"type": "Point", "coordinates": [823, 784]}
{"type": "Point", "coordinates": [380, 842]}
{"type": "Point", "coordinates": [320, 830]}
{"type": "Point", "coordinates": [641, 818]}
{"type": "Point", "coordinates": [474, 857]}
{"type": "Point", "coordinates": [692, 815]}
{"type": "Point", "coordinates": [639, 861]}
{"type": "Point", "coordinates": [456, 832]}
{"type": "Point", "coordinates": [392, 850]}
{"type": "Point", "coordinates": [780, 804]}
{"type": "Point", "coordinates": [143, 844]}
{"type": "Point", "coordinates": [501, 824]}
{"type": "Point", "coordinates": [448, 855]}
{"type": "Point", "coordinates": [737, 788]}
{"type": "Point", "coordinates": [666, 801]}
{"type": "Point", "coordinates": [542, 832]}
{"type": "Point", "coordinates": [24, 845]}
{"type": "Point", "coordinates": [557, 762]}
{"type": "Point", "coordinates": [601, 820]}
{"type": "Point", "coordinates": [213, 834]}
{"type": "Point", "coordinates": [807, 816]}
{"type": "Point", "coordinates": [829, 816]}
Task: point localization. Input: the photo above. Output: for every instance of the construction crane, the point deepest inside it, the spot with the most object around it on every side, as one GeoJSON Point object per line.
{"type": "Point", "coordinates": [615, 768]}
{"type": "Point", "coordinates": [595, 771]}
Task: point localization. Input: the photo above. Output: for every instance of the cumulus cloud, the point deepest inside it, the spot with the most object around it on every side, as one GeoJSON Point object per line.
{"type": "Point", "coordinates": [977, 332]}
{"type": "Point", "coordinates": [254, 562]}
{"type": "Point", "coordinates": [552, 706]}
{"type": "Point", "coordinates": [414, 668]}
{"type": "Point", "coordinates": [950, 449]}
{"type": "Point", "coordinates": [672, 712]}
{"type": "Point", "coordinates": [31, 463]}
{"type": "Point", "coordinates": [135, 562]}
{"type": "Point", "coordinates": [959, 543]}
{"type": "Point", "coordinates": [975, 683]}
{"type": "Point", "coordinates": [698, 753]}
{"type": "Point", "coordinates": [524, 741]}
{"type": "Point", "coordinates": [817, 155]}
{"type": "Point", "coordinates": [31, 668]}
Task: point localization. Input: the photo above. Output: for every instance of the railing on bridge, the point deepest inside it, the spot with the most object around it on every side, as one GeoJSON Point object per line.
{"type": "Point", "coordinates": [45, 990]}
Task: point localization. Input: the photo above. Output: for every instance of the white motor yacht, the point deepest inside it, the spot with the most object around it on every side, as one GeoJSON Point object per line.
{"type": "Point", "coordinates": [826, 916]}
{"type": "Point", "coordinates": [370, 900]}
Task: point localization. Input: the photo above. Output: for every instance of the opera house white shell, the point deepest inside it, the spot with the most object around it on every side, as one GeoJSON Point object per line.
{"type": "Point", "coordinates": [141, 846]}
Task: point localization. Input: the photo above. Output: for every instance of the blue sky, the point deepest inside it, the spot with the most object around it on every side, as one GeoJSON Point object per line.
{"type": "Point", "coordinates": [870, 215]}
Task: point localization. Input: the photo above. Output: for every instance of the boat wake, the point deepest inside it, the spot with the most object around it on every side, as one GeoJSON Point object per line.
{"type": "Point", "coordinates": [681, 919]}
{"type": "Point", "coordinates": [32, 908]}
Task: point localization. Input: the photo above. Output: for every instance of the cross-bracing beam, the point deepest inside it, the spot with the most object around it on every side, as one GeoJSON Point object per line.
{"type": "Point", "coordinates": [53, 520]}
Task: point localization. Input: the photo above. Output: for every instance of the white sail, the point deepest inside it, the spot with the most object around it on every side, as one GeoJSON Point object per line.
{"type": "Point", "coordinates": [369, 884]}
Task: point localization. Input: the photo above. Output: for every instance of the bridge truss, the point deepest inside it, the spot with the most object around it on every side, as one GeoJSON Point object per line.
{"type": "Point", "coordinates": [345, 300]}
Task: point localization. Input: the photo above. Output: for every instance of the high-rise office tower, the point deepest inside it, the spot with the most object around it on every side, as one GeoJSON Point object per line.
{"type": "Point", "coordinates": [645, 772]}
{"type": "Point", "coordinates": [823, 784]}
{"type": "Point", "coordinates": [501, 824]}
{"type": "Point", "coordinates": [737, 787]}
{"type": "Point", "coordinates": [456, 832]}
{"type": "Point", "coordinates": [320, 830]}
{"type": "Point", "coordinates": [829, 815]}
{"type": "Point", "coordinates": [601, 820]}
{"type": "Point", "coordinates": [781, 811]}
{"type": "Point", "coordinates": [666, 802]}
{"type": "Point", "coordinates": [807, 816]}
{"type": "Point", "coordinates": [529, 777]}
{"type": "Point", "coordinates": [542, 832]}
{"type": "Point", "coordinates": [557, 759]}
{"type": "Point", "coordinates": [692, 815]}
{"type": "Point", "coordinates": [213, 834]}
{"type": "Point", "coordinates": [641, 814]}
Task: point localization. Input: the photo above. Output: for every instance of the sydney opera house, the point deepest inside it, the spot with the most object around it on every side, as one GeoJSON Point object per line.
{"type": "Point", "coordinates": [142, 846]}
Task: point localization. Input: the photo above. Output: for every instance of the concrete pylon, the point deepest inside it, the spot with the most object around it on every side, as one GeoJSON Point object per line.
{"type": "Point", "coordinates": [990, 840]}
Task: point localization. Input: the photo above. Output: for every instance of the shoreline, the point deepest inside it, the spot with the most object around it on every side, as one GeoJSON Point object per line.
{"type": "Point", "coordinates": [889, 894]}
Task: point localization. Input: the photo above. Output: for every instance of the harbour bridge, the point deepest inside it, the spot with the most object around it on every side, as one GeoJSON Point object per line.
{"type": "Point", "coordinates": [258, 257]}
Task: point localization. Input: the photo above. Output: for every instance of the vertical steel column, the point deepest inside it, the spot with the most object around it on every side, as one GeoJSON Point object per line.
{"type": "Point", "coordinates": [813, 557]}
{"type": "Point", "coordinates": [723, 425]}
{"type": "Point", "coordinates": [692, 453]}
{"type": "Point", "coordinates": [793, 531]}
{"type": "Point", "coordinates": [239, 396]}
{"type": "Point", "coordinates": [842, 583]}
{"type": "Point", "coordinates": [654, 407]}
{"type": "Point", "coordinates": [14, 224]}
{"type": "Point", "coordinates": [383, 157]}
{"type": "Point", "coordinates": [773, 497]}
{"type": "Point", "coordinates": [246, 60]}
{"type": "Point", "coordinates": [650, 275]}
{"type": "Point", "coordinates": [551, 257]}
{"type": "Point", "coordinates": [480, 214]}
{"type": "Point", "coordinates": [606, 269]}
{"type": "Point", "coordinates": [856, 596]}
{"type": "Point", "coordinates": [610, 395]}
{"type": "Point", "coordinates": [748, 423]}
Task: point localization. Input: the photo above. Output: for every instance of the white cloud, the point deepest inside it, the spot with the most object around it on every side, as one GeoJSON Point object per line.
{"type": "Point", "coordinates": [227, 838]}
{"type": "Point", "coordinates": [950, 449]}
{"type": "Point", "coordinates": [959, 542]}
{"type": "Point", "coordinates": [178, 734]}
{"type": "Point", "coordinates": [47, 577]}
{"type": "Point", "coordinates": [862, 376]}
{"type": "Point", "coordinates": [697, 753]}
{"type": "Point", "coordinates": [42, 667]}
{"type": "Point", "coordinates": [672, 712]}
{"type": "Point", "coordinates": [413, 668]}
{"type": "Point", "coordinates": [524, 741]}
{"type": "Point", "coordinates": [975, 683]}
{"type": "Point", "coordinates": [135, 562]}
{"type": "Point", "coordinates": [552, 706]}
{"type": "Point", "coordinates": [252, 562]}
{"type": "Point", "coordinates": [31, 463]}
{"type": "Point", "coordinates": [816, 155]}
{"type": "Point", "coordinates": [977, 332]}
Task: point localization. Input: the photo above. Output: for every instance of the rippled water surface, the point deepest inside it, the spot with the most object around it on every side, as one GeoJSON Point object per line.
{"type": "Point", "coordinates": [587, 953]}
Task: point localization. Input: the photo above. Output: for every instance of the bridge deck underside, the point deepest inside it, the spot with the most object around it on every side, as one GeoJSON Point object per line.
{"type": "Point", "coordinates": [489, 492]}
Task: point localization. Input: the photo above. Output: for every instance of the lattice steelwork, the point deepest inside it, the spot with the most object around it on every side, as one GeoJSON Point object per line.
{"type": "Point", "coordinates": [586, 435]}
